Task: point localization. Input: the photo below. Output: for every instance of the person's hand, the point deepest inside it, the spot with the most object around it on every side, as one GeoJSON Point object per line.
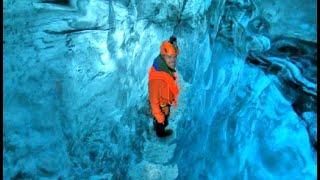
{"type": "Point", "coordinates": [166, 110]}
{"type": "Point", "coordinates": [161, 122]}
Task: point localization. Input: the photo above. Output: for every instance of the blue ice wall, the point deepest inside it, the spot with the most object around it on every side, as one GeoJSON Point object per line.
{"type": "Point", "coordinates": [75, 89]}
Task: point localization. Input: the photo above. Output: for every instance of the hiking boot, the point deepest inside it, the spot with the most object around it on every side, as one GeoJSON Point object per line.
{"type": "Point", "coordinates": [166, 133]}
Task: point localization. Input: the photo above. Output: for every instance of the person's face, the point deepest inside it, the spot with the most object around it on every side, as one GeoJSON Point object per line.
{"type": "Point", "coordinates": [170, 61]}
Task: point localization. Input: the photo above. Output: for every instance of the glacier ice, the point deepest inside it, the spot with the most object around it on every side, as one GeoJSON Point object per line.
{"type": "Point", "coordinates": [75, 89]}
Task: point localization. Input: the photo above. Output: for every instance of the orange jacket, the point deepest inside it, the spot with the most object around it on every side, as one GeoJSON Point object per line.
{"type": "Point", "coordinates": [163, 90]}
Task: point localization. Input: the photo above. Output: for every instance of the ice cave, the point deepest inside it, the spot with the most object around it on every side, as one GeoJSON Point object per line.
{"type": "Point", "coordinates": [75, 89]}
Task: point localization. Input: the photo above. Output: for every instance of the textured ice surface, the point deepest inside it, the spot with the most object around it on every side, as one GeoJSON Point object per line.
{"type": "Point", "coordinates": [75, 89]}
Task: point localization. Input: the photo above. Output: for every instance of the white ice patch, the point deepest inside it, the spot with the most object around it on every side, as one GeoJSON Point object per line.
{"type": "Point", "coordinates": [106, 64]}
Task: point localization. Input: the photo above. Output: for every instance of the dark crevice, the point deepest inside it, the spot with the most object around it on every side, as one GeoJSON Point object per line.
{"type": "Point", "coordinates": [292, 50]}
{"type": "Point", "coordinates": [74, 31]}
{"type": "Point", "coordinates": [46, 172]}
{"type": "Point", "coordinates": [179, 16]}
{"type": "Point", "coordinates": [22, 175]}
{"type": "Point", "coordinates": [59, 2]}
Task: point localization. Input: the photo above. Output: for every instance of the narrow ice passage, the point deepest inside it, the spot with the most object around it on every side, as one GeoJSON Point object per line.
{"type": "Point", "coordinates": [76, 89]}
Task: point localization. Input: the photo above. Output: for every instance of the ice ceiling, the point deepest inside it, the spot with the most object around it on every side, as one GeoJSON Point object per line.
{"type": "Point", "coordinates": [75, 89]}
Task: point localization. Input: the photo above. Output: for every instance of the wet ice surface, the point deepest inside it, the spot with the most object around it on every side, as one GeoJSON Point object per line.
{"type": "Point", "coordinates": [75, 90]}
{"type": "Point", "coordinates": [237, 132]}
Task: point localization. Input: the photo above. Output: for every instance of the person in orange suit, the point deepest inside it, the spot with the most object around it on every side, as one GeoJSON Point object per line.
{"type": "Point", "coordinates": [162, 87]}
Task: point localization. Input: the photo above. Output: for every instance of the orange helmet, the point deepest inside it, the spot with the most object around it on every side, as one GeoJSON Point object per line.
{"type": "Point", "coordinates": [168, 48]}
